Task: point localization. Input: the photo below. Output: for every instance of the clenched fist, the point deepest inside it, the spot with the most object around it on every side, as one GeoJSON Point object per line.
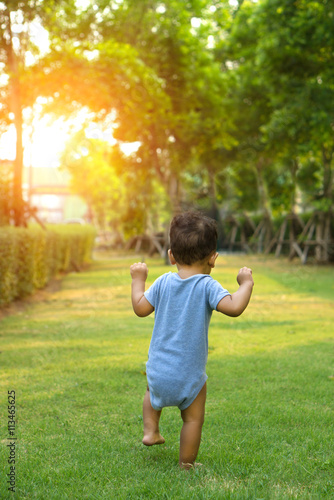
{"type": "Point", "coordinates": [245, 274]}
{"type": "Point", "coordinates": [139, 270]}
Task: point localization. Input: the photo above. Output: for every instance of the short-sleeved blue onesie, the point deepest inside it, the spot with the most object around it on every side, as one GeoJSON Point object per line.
{"type": "Point", "coordinates": [179, 346]}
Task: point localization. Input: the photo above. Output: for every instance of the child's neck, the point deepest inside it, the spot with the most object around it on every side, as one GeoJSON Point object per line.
{"type": "Point", "coordinates": [187, 271]}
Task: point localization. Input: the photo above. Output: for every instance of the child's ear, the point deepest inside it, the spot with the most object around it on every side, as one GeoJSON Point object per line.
{"type": "Point", "coordinates": [212, 259]}
{"type": "Point", "coordinates": [171, 258]}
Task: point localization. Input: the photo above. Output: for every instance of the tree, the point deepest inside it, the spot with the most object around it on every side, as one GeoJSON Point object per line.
{"type": "Point", "coordinates": [16, 44]}
{"type": "Point", "coordinates": [156, 73]}
{"type": "Point", "coordinates": [302, 59]}
{"type": "Point", "coordinates": [13, 61]}
{"type": "Point", "coordinates": [5, 198]}
{"type": "Point", "coordinates": [120, 192]}
{"type": "Point", "coordinates": [248, 105]}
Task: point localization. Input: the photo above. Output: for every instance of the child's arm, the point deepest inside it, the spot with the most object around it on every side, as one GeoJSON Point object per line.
{"type": "Point", "coordinates": [235, 304]}
{"type": "Point", "coordinates": [140, 304]}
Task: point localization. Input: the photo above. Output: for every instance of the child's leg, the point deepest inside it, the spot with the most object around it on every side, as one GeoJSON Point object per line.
{"type": "Point", "coordinates": [151, 419]}
{"type": "Point", "coordinates": [193, 419]}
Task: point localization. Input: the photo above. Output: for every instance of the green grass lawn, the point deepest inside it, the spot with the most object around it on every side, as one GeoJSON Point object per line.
{"type": "Point", "coordinates": [76, 362]}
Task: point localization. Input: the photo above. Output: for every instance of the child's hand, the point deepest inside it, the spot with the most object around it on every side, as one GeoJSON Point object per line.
{"type": "Point", "coordinates": [244, 275]}
{"type": "Point", "coordinates": [235, 304]}
{"type": "Point", "coordinates": [139, 271]}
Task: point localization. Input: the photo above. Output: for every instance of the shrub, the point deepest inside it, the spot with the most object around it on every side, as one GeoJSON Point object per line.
{"type": "Point", "coordinates": [30, 257]}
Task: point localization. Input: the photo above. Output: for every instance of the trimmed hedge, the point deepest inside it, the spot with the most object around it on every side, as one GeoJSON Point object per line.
{"type": "Point", "coordinates": [30, 257]}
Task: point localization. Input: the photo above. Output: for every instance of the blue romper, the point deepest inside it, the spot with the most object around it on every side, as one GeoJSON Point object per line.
{"type": "Point", "coordinates": [179, 346]}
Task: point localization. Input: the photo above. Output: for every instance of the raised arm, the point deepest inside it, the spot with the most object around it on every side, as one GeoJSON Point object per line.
{"type": "Point", "coordinates": [140, 304]}
{"type": "Point", "coordinates": [235, 304]}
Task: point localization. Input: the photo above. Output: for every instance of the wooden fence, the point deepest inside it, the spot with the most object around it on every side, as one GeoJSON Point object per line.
{"type": "Point", "coordinates": [294, 237]}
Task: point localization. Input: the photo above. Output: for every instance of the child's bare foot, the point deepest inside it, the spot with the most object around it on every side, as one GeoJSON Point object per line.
{"type": "Point", "coordinates": [188, 466]}
{"type": "Point", "coordinates": [151, 439]}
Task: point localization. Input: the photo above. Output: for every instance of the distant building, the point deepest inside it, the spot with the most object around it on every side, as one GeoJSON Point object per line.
{"type": "Point", "coordinates": [49, 192]}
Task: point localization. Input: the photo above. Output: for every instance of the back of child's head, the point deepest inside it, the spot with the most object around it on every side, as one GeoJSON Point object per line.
{"type": "Point", "coordinates": [193, 237]}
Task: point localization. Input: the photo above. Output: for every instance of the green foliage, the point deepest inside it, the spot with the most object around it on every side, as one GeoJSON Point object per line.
{"type": "Point", "coordinates": [231, 105]}
{"type": "Point", "coordinates": [153, 72]}
{"type": "Point", "coordinates": [281, 99]}
{"type": "Point", "coordinates": [121, 190]}
{"type": "Point", "coordinates": [29, 258]}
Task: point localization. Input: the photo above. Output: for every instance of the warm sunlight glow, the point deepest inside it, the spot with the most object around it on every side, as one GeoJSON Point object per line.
{"type": "Point", "coordinates": [44, 140]}
{"type": "Point", "coordinates": [48, 142]}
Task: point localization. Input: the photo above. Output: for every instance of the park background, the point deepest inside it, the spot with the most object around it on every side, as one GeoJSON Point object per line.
{"type": "Point", "coordinates": [114, 115]}
{"type": "Point", "coordinates": [153, 107]}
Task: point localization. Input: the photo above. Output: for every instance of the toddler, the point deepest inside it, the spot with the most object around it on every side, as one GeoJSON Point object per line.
{"type": "Point", "coordinates": [183, 303]}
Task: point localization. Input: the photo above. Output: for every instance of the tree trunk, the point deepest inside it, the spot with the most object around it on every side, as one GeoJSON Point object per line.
{"type": "Point", "coordinates": [214, 210]}
{"type": "Point", "coordinates": [293, 201]}
{"type": "Point", "coordinates": [16, 109]}
{"type": "Point", "coordinates": [323, 237]}
{"type": "Point", "coordinates": [262, 189]}
{"type": "Point", "coordinates": [327, 157]}
{"type": "Point", "coordinates": [18, 204]}
{"type": "Point", "coordinates": [265, 234]}
{"type": "Point", "coordinates": [174, 192]}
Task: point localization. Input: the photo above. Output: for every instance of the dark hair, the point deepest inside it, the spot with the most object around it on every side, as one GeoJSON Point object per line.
{"type": "Point", "coordinates": [193, 237]}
